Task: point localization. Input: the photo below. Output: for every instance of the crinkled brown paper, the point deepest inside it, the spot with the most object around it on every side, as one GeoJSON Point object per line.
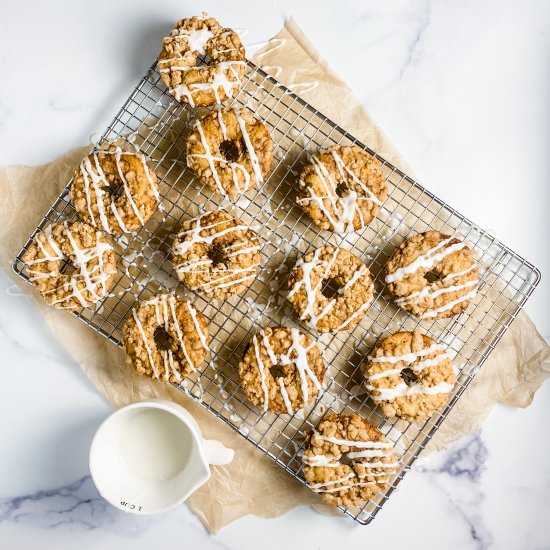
{"type": "Point", "coordinates": [252, 483]}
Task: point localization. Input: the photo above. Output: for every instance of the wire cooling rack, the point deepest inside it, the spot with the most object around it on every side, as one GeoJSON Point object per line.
{"type": "Point", "coordinates": [158, 126]}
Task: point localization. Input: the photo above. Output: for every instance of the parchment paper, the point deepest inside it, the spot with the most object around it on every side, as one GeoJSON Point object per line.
{"type": "Point", "coordinates": [252, 483]}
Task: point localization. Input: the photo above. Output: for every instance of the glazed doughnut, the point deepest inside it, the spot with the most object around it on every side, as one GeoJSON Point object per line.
{"type": "Point", "coordinates": [230, 151]}
{"type": "Point", "coordinates": [350, 297]}
{"type": "Point", "coordinates": [409, 375]}
{"type": "Point", "coordinates": [202, 84]}
{"type": "Point", "coordinates": [71, 265]}
{"type": "Point", "coordinates": [432, 275]}
{"type": "Point", "coordinates": [165, 338]}
{"type": "Point", "coordinates": [115, 191]}
{"type": "Point", "coordinates": [216, 254]}
{"type": "Point", "coordinates": [282, 370]}
{"type": "Point", "coordinates": [342, 188]}
{"type": "Point", "coordinates": [351, 437]}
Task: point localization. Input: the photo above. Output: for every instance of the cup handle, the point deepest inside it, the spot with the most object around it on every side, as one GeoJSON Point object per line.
{"type": "Point", "coordinates": [215, 452]}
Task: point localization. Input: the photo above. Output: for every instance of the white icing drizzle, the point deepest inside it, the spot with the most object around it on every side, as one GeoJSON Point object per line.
{"type": "Point", "coordinates": [145, 342]}
{"type": "Point", "coordinates": [209, 158]}
{"type": "Point", "coordinates": [429, 292]}
{"type": "Point", "coordinates": [303, 87]}
{"type": "Point", "coordinates": [276, 69]}
{"type": "Point", "coordinates": [300, 362]}
{"type": "Point", "coordinates": [321, 461]}
{"type": "Point", "coordinates": [222, 282]}
{"type": "Point", "coordinates": [352, 443]}
{"type": "Point", "coordinates": [449, 305]}
{"type": "Point", "coordinates": [342, 209]}
{"type": "Point", "coordinates": [312, 319]}
{"type": "Point", "coordinates": [416, 367]}
{"type": "Point", "coordinates": [426, 260]}
{"type": "Point", "coordinates": [250, 148]}
{"type": "Point", "coordinates": [201, 334]}
{"type": "Point", "coordinates": [180, 335]}
{"type": "Point", "coordinates": [94, 177]}
{"type": "Point", "coordinates": [261, 368]}
{"type": "Point", "coordinates": [316, 486]}
{"type": "Point", "coordinates": [346, 487]}
{"type": "Point", "coordinates": [94, 278]}
{"type": "Point", "coordinates": [196, 237]}
{"type": "Point", "coordinates": [163, 319]}
{"type": "Point", "coordinates": [407, 357]}
{"type": "Point", "coordinates": [219, 79]}
{"type": "Point", "coordinates": [222, 278]}
{"type": "Point", "coordinates": [354, 315]}
{"type": "Point", "coordinates": [234, 166]}
{"type": "Point", "coordinates": [459, 273]}
{"type": "Point", "coordinates": [221, 122]}
{"type": "Point", "coordinates": [402, 390]}
{"type": "Point", "coordinates": [197, 39]}
{"type": "Point", "coordinates": [284, 393]}
{"type": "Point", "coordinates": [275, 44]}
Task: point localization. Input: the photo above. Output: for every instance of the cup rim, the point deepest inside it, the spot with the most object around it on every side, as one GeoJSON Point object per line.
{"type": "Point", "coordinates": [171, 408]}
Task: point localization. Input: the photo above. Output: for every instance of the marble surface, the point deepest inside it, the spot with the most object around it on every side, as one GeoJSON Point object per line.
{"type": "Point", "coordinates": [461, 87]}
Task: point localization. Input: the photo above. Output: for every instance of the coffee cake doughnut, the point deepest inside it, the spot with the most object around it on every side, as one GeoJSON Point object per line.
{"type": "Point", "coordinates": [216, 254]}
{"type": "Point", "coordinates": [432, 275]}
{"type": "Point", "coordinates": [282, 370]}
{"type": "Point", "coordinates": [187, 78]}
{"type": "Point", "coordinates": [166, 338]}
{"type": "Point", "coordinates": [230, 151]}
{"type": "Point", "coordinates": [349, 437]}
{"type": "Point", "coordinates": [342, 188]}
{"type": "Point", "coordinates": [343, 304]}
{"type": "Point", "coordinates": [115, 191]}
{"type": "Point", "coordinates": [409, 375]}
{"type": "Point", "coordinates": [71, 264]}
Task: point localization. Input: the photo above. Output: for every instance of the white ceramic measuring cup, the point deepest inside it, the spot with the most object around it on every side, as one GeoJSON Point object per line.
{"type": "Point", "coordinates": [150, 456]}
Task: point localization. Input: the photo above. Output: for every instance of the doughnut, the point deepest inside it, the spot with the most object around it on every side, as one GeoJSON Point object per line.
{"type": "Point", "coordinates": [432, 275]}
{"type": "Point", "coordinates": [230, 151]}
{"type": "Point", "coordinates": [282, 370]}
{"type": "Point", "coordinates": [409, 375]}
{"type": "Point", "coordinates": [347, 460]}
{"type": "Point", "coordinates": [330, 289]}
{"type": "Point", "coordinates": [71, 264]}
{"type": "Point", "coordinates": [200, 82]}
{"type": "Point", "coordinates": [216, 254]}
{"type": "Point", "coordinates": [165, 338]}
{"type": "Point", "coordinates": [115, 191]}
{"type": "Point", "coordinates": [342, 188]}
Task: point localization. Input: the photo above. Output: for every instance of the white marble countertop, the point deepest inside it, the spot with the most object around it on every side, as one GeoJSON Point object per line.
{"type": "Point", "coordinates": [462, 89]}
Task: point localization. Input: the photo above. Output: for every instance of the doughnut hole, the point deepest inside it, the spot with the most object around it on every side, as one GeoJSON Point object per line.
{"type": "Point", "coordinates": [230, 150]}
{"type": "Point", "coordinates": [345, 460]}
{"type": "Point", "coordinates": [409, 377]}
{"type": "Point", "coordinates": [114, 189]}
{"type": "Point", "coordinates": [276, 371]}
{"type": "Point", "coordinates": [331, 288]}
{"type": "Point", "coordinates": [67, 267]}
{"type": "Point", "coordinates": [162, 339]}
{"type": "Point", "coordinates": [431, 277]}
{"type": "Point", "coordinates": [216, 255]}
{"type": "Point", "coordinates": [341, 190]}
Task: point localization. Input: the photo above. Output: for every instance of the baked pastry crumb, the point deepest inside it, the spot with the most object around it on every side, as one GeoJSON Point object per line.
{"type": "Point", "coordinates": [71, 264]}
{"type": "Point", "coordinates": [347, 460]}
{"type": "Point", "coordinates": [166, 338]}
{"type": "Point", "coordinates": [282, 370]}
{"type": "Point", "coordinates": [409, 375]}
{"type": "Point", "coordinates": [342, 188]}
{"type": "Point", "coordinates": [432, 275]}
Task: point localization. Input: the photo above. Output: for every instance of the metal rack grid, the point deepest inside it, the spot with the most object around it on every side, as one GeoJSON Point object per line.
{"type": "Point", "coordinates": [158, 126]}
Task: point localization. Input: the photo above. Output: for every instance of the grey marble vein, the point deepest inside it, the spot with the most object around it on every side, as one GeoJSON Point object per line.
{"type": "Point", "coordinates": [457, 473]}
